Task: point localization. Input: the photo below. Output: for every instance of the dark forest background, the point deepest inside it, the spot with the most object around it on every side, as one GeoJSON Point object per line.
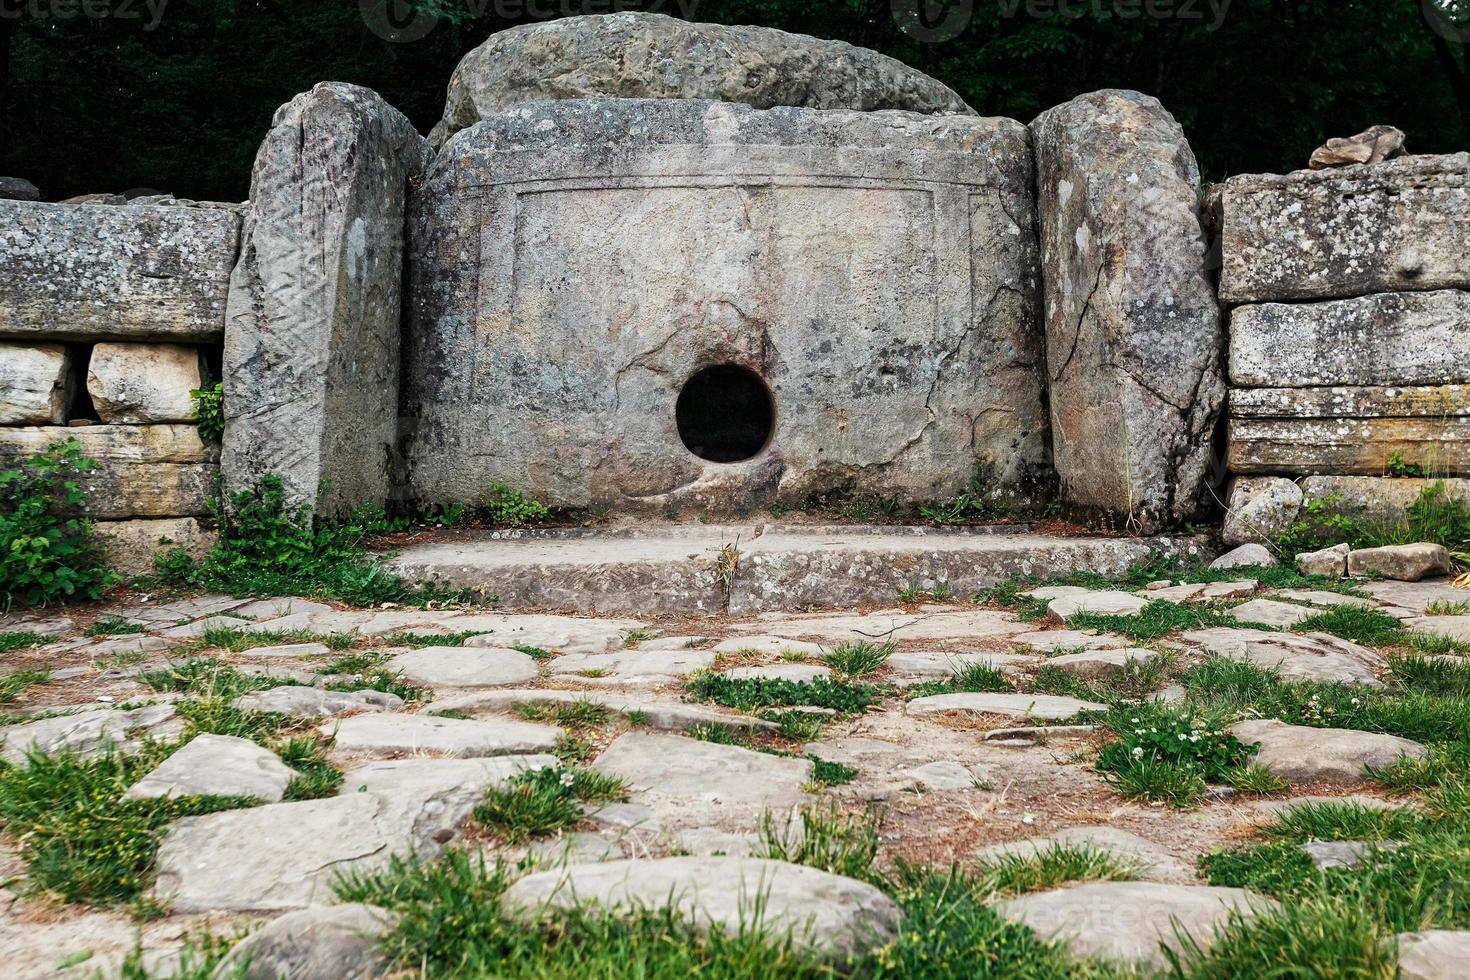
{"type": "Point", "coordinates": [94, 104]}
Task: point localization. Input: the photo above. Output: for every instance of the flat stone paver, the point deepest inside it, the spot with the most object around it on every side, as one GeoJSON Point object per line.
{"type": "Point", "coordinates": [465, 667]}
{"type": "Point", "coordinates": [949, 625]}
{"type": "Point", "coordinates": [320, 943]}
{"type": "Point", "coordinates": [1309, 657]}
{"type": "Point", "coordinates": [1323, 755]}
{"type": "Point", "coordinates": [1452, 627]}
{"type": "Point", "coordinates": [1434, 954]}
{"type": "Point", "coordinates": [633, 666]}
{"type": "Point", "coordinates": [559, 634]}
{"type": "Point", "coordinates": [313, 702]}
{"type": "Point", "coordinates": [428, 779]}
{"type": "Point", "coordinates": [939, 665]}
{"type": "Point", "coordinates": [651, 712]}
{"type": "Point", "coordinates": [1152, 861]}
{"type": "Point", "coordinates": [399, 734]}
{"type": "Point", "coordinates": [1043, 707]}
{"type": "Point", "coordinates": [685, 780]}
{"type": "Point", "coordinates": [1050, 641]}
{"type": "Point", "coordinates": [1130, 921]}
{"type": "Point", "coordinates": [1415, 595]}
{"type": "Point", "coordinates": [1098, 604]}
{"type": "Point", "coordinates": [1098, 664]}
{"type": "Point", "coordinates": [217, 765]}
{"type": "Point", "coordinates": [1269, 612]}
{"type": "Point", "coordinates": [783, 672]}
{"type": "Point", "coordinates": [773, 646]}
{"type": "Point", "coordinates": [88, 733]}
{"type": "Point", "coordinates": [1328, 599]}
{"type": "Point", "coordinates": [288, 650]}
{"type": "Point", "coordinates": [824, 913]}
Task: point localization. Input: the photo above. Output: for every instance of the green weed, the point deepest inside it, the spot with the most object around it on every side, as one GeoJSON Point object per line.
{"type": "Point", "coordinates": [858, 659]}
{"type": "Point", "coordinates": [538, 802]}
{"type": "Point", "coordinates": [751, 693]}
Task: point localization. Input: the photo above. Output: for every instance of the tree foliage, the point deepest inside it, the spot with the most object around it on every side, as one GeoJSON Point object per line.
{"type": "Point", "coordinates": [106, 104]}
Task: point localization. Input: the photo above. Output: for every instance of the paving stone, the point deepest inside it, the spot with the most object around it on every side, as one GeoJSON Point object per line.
{"type": "Point", "coordinates": [289, 855]}
{"type": "Point", "coordinates": [51, 626]}
{"type": "Point", "coordinates": [944, 774]}
{"type": "Point", "coordinates": [824, 913]}
{"type": "Point", "coordinates": [267, 609]}
{"type": "Point", "coordinates": [465, 667]}
{"type": "Point", "coordinates": [965, 625]}
{"type": "Point", "coordinates": [1415, 595]}
{"type": "Point", "coordinates": [1203, 591]}
{"type": "Point", "coordinates": [329, 942]}
{"type": "Point", "coordinates": [88, 733]}
{"type": "Point", "coordinates": [1049, 641]}
{"type": "Point", "coordinates": [459, 783]}
{"type": "Point", "coordinates": [1246, 556]}
{"type": "Point", "coordinates": [216, 765]}
{"type": "Point", "coordinates": [1153, 861]}
{"type": "Point", "coordinates": [201, 626]}
{"type": "Point", "coordinates": [397, 734]}
{"type": "Point", "coordinates": [1269, 612]}
{"type": "Point", "coordinates": [1434, 954]}
{"type": "Point", "coordinates": [1129, 921]}
{"type": "Point", "coordinates": [562, 634]}
{"type": "Point", "coordinates": [1403, 563]}
{"type": "Point", "coordinates": [683, 778]}
{"type": "Point", "coordinates": [289, 650]}
{"type": "Point", "coordinates": [1454, 627]}
{"type": "Point", "coordinates": [1323, 755]}
{"type": "Point", "coordinates": [856, 751]}
{"type": "Point", "coordinates": [331, 621]}
{"type": "Point", "coordinates": [1097, 603]}
{"type": "Point", "coordinates": [312, 702]}
{"type": "Point", "coordinates": [784, 672]}
{"type": "Point", "coordinates": [576, 847]}
{"type": "Point", "coordinates": [174, 613]}
{"type": "Point", "coordinates": [125, 645]}
{"type": "Point", "coordinates": [773, 646]}
{"type": "Point", "coordinates": [1099, 664]}
{"type": "Point", "coordinates": [1345, 853]}
{"type": "Point", "coordinates": [914, 668]}
{"type": "Point", "coordinates": [652, 712]}
{"type": "Point", "coordinates": [676, 643]}
{"type": "Point", "coordinates": [1277, 807]}
{"type": "Point", "coordinates": [1328, 599]}
{"type": "Point", "coordinates": [1045, 707]}
{"type": "Point", "coordinates": [633, 666]}
{"type": "Point", "coordinates": [1309, 657]}
{"type": "Point", "coordinates": [624, 816]}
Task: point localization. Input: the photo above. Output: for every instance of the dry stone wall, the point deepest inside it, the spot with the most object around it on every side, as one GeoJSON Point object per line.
{"type": "Point", "coordinates": [1349, 350]}
{"type": "Point", "coordinates": [110, 317]}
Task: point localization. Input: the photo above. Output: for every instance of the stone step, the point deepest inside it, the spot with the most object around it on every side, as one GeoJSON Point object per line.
{"type": "Point", "coordinates": [682, 568]}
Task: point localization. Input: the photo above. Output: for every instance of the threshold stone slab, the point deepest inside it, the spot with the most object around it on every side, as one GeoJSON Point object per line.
{"type": "Point", "coordinates": [1043, 707]}
{"type": "Point", "coordinates": [397, 734]}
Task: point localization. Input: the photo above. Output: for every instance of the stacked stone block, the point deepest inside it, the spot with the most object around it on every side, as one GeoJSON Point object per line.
{"type": "Point", "coordinates": [1350, 337]}
{"type": "Point", "coordinates": [110, 316]}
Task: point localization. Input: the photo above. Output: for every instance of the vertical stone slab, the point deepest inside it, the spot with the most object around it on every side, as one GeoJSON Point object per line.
{"type": "Point", "coordinates": [312, 323]}
{"type": "Point", "coordinates": [1133, 329]}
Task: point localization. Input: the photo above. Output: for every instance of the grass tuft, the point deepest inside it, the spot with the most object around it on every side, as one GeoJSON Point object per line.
{"type": "Point", "coordinates": [858, 659]}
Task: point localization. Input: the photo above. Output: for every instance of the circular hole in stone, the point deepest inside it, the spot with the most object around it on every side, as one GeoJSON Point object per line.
{"type": "Point", "coordinates": [725, 413]}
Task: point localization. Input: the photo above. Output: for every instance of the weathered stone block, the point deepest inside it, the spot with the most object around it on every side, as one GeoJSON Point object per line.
{"type": "Point", "coordinates": [143, 382]}
{"type": "Point", "coordinates": [1356, 402]}
{"type": "Point", "coordinates": [311, 348]}
{"type": "Point", "coordinates": [577, 262]}
{"type": "Point", "coordinates": [652, 56]}
{"type": "Point", "coordinates": [1133, 332]}
{"type": "Point", "coordinates": [146, 470]}
{"type": "Point", "coordinates": [1375, 497]}
{"type": "Point", "coordinates": [18, 189]}
{"type": "Point", "coordinates": [1399, 225]}
{"type": "Point", "coordinates": [129, 547]}
{"type": "Point", "coordinates": [134, 273]}
{"type": "Point", "coordinates": [1355, 447]}
{"type": "Point", "coordinates": [1402, 563]}
{"type": "Point", "coordinates": [35, 384]}
{"type": "Point", "coordinates": [1383, 339]}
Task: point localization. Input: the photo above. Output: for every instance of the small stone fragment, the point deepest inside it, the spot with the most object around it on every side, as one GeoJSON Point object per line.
{"type": "Point", "coordinates": [89, 732]}
{"type": "Point", "coordinates": [1269, 612]}
{"type": "Point", "coordinates": [1246, 556]}
{"type": "Point", "coordinates": [1098, 664]}
{"type": "Point", "coordinates": [1260, 509]}
{"type": "Point", "coordinates": [328, 942]}
{"type": "Point", "coordinates": [1327, 563]}
{"type": "Point", "coordinates": [1372, 145]}
{"type": "Point", "coordinates": [1323, 755]}
{"type": "Point", "coordinates": [1345, 853]}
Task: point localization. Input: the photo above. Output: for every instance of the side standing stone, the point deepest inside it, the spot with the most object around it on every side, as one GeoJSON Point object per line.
{"type": "Point", "coordinates": [311, 345]}
{"type": "Point", "coordinates": [35, 384]}
{"type": "Point", "coordinates": [1133, 331]}
{"type": "Point", "coordinates": [80, 272]}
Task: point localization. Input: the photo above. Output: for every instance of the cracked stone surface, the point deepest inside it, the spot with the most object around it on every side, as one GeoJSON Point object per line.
{"type": "Point", "coordinates": [1313, 657]}
{"type": "Point", "coordinates": [464, 666]}
{"type": "Point", "coordinates": [89, 732]}
{"type": "Point", "coordinates": [216, 765]}
{"type": "Point", "coordinates": [314, 702]}
{"type": "Point", "coordinates": [852, 225]}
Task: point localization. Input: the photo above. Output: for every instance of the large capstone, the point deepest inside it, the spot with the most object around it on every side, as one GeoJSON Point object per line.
{"type": "Point", "coordinates": [311, 345]}
{"type": "Point", "coordinates": [865, 283]}
{"type": "Point", "coordinates": [1133, 332]}
{"type": "Point", "coordinates": [652, 56]}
